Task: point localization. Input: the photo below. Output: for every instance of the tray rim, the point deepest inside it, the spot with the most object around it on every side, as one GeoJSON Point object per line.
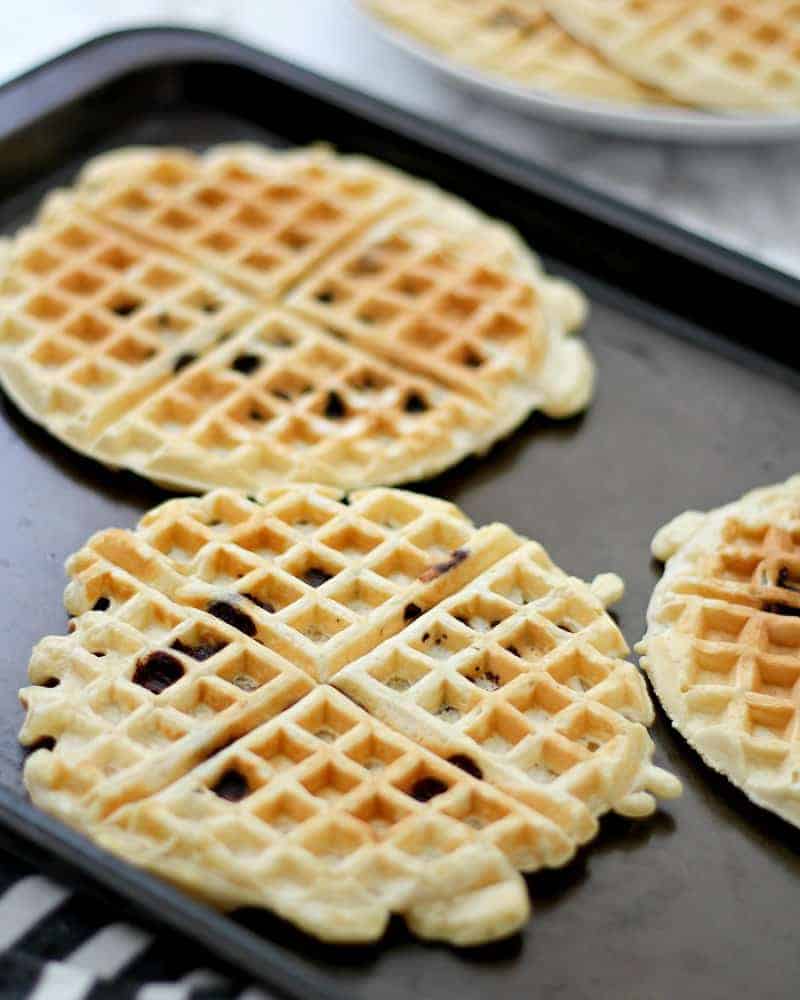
{"type": "Point", "coordinates": [175, 45]}
{"type": "Point", "coordinates": [159, 902]}
{"type": "Point", "coordinates": [154, 898]}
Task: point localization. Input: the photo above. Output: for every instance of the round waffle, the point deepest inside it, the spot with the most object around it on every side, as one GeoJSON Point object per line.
{"type": "Point", "coordinates": [715, 54]}
{"type": "Point", "coordinates": [518, 41]}
{"type": "Point", "coordinates": [338, 708]}
{"type": "Point", "coordinates": [723, 641]}
{"type": "Point", "coordinates": [247, 318]}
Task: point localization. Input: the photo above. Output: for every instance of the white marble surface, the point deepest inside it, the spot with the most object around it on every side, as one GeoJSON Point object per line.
{"type": "Point", "coordinates": [747, 197]}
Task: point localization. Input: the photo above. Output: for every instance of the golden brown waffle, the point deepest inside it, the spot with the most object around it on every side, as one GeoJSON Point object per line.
{"type": "Point", "coordinates": [280, 401]}
{"type": "Point", "coordinates": [723, 640]}
{"type": "Point", "coordinates": [216, 203]}
{"type": "Point", "coordinates": [323, 816]}
{"type": "Point", "coordinates": [451, 310]}
{"type": "Point", "coordinates": [517, 40]}
{"type": "Point", "coordinates": [93, 322]}
{"type": "Point", "coordinates": [259, 219]}
{"type": "Point", "coordinates": [186, 365]}
{"type": "Point", "coordinates": [716, 54]}
{"type": "Point", "coordinates": [165, 727]}
{"type": "Point", "coordinates": [522, 672]}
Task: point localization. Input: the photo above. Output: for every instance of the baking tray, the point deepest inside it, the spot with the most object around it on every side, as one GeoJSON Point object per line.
{"type": "Point", "coordinates": [697, 401]}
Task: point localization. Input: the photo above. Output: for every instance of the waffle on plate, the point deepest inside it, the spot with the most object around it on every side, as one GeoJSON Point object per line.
{"type": "Point", "coordinates": [516, 40]}
{"type": "Point", "coordinates": [722, 55]}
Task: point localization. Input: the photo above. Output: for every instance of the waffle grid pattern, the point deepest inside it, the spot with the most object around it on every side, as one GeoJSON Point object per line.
{"type": "Point", "coordinates": [94, 321]}
{"type": "Point", "coordinates": [522, 671]}
{"type": "Point", "coordinates": [280, 399]}
{"type": "Point", "coordinates": [723, 645]}
{"type": "Point", "coordinates": [331, 788]}
{"type": "Point", "coordinates": [518, 41]}
{"type": "Point", "coordinates": [411, 294]}
{"type": "Point", "coordinates": [214, 639]}
{"type": "Point", "coordinates": [259, 219]}
{"type": "Point", "coordinates": [722, 54]}
{"type": "Point", "coordinates": [136, 336]}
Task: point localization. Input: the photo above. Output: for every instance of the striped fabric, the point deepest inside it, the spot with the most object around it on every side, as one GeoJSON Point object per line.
{"type": "Point", "coordinates": [59, 944]}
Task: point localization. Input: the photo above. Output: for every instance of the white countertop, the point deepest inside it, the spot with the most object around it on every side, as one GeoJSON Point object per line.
{"type": "Point", "coordinates": [747, 196]}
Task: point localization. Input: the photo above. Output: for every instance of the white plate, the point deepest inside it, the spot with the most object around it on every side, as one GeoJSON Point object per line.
{"type": "Point", "coordinates": [672, 124]}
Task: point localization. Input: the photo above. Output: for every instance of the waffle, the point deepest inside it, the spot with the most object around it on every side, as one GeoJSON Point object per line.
{"type": "Point", "coordinates": [521, 672]}
{"type": "Point", "coordinates": [454, 311]}
{"type": "Point", "coordinates": [262, 219]}
{"type": "Point", "coordinates": [279, 401]}
{"type": "Point", "coordinates": [258, 219]}
{"type": "Point", "coordinates": [723, 642]}
{"type": "Point", "coordinates": [715, 54]}
{"type": "Point", "coordinates": [166, 353]}
{"type": "Point", "coordinates": [334, 831]}
{"type": "Point", "coordinates": [518, 41]}
{"type": "Point", "coordinates": [192, 719]}
{"type": "Point", "coordinates": [93, 322]}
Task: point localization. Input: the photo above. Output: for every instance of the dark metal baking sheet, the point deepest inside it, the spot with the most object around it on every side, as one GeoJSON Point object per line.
{"type": "Point", "coordinates": [697, 401]}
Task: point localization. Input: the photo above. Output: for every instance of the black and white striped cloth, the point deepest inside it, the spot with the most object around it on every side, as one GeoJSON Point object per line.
{"type": "Point", "coordinates": [61, 944]}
